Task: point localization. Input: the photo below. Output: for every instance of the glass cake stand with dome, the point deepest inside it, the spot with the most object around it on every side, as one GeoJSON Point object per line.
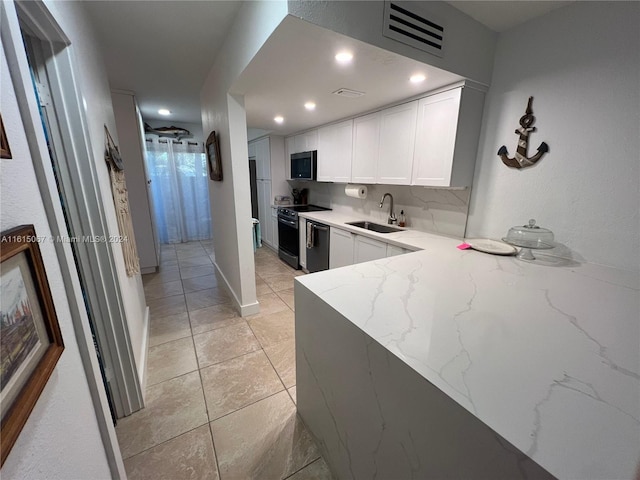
{"type": "Point", "coordinates": [530, 237]}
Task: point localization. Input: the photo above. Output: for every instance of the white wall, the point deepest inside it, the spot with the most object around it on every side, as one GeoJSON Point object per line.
{"type": "Point", "coordinates": [224, 113]}
{"type": "Point", "coordinates": [99, 112]}
{"type": "Point", "coordinates": [434, 210]}
{"type": "Point", "coordinates": [61, 438]}
{"type": "Point", "coordinates": [469, 45]}
{"type": "Point", "coordinates": [581, 64]}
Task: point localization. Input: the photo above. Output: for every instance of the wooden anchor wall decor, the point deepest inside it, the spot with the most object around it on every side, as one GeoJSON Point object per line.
{"type": "Point", "coordinates": [521, 160]}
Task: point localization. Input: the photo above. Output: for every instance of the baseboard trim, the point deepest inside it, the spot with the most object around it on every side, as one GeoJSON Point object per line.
{"type": "Point", "coordinates": [142, 368]}
{"type": "Point", "coordinates": [243, 310]}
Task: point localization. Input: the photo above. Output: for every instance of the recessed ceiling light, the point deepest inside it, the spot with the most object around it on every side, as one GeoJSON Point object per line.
{"type": "Point", "coordinates": [164, 111]}
{"type": "Point", "coordinates": [278, 119]}
{"type": "Point", "coordinates": [417, 78]}
{"type": "Point", "coordinates": [310, 106]}
{"type": "Point", "coordinates": [344, 57]}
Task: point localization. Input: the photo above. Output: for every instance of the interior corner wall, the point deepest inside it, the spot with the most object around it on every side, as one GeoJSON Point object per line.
{"type": "Point", "coordinates": [224, 113]}
{"type": "Point", "coordinates": [93, 84]}
{"type": "Point", "coordinates": [581, 63]}
{"type": "Point", "coordinates": [61, 438]}
{"type": "Point", "coordinates": [468, 44]}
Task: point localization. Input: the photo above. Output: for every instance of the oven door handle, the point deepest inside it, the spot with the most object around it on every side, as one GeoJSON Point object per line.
{"type": "Point", "coordinates": [290, 223]}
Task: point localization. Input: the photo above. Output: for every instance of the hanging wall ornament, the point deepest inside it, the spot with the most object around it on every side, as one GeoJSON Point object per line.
{"type": "Point", "coordinates": [521, 160]}
{"type": "Point", "coordinates": [123, 213]}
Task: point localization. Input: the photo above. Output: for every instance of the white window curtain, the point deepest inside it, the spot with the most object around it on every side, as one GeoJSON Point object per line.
{"type": "Point", "coordinates": [180, 191]}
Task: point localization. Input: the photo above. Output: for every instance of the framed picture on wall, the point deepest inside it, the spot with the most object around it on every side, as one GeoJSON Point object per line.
{"type": "Point", "coordinates": [30, 338]}
{"type": "Point", "coordinates": [212, 149]}
{"type": "Point", "coordinates": [5, 150]}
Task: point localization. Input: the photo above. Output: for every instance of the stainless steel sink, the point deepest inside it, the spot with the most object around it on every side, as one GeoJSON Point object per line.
{"type": "Point", "coordinates": [375, 227]}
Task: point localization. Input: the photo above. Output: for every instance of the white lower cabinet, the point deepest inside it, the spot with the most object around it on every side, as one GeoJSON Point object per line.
{"type": "Point", "coordinates": [367, 249]}
{"type": "Point", "coordinates": [302, 241]}
{"type": "Point", "coordinates": [341, 246]}
{"type": "Point", "coordinates": [346, 248]}
{"type": "Point", "coordinates": [264, 211]}
{"type": "Point", "coordinates": [274, 226]}
{"type": "Point", "coordinates": [393, 250]}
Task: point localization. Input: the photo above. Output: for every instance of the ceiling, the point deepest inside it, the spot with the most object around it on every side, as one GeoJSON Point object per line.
{"type": "Point", "coordinates": [297, 65]}
{"type": "Point", "coordinates": [500, 16]}
{"type": "Point", "coordinates": [163, 50]}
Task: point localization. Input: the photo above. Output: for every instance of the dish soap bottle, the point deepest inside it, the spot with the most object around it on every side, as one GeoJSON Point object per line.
{"type": "Point", "coordinates": [402, 221]}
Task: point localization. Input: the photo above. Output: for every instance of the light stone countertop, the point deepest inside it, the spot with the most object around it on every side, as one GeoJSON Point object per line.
{"type": "Point", "coordinates": [548, 357]}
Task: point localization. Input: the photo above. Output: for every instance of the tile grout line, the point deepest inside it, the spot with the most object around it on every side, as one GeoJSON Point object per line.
{"type": "Point", "coordinates": [204, 397]}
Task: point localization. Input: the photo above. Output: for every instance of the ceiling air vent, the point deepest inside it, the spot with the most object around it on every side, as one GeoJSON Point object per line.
{"type": "Point", "coordinates": [404, 23]}
{"type": "Point", "coordinates": [345, 92]}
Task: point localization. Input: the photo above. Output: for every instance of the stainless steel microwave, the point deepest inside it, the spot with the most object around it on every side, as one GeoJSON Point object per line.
{"type": "Point", "coordinates": [304, 165]}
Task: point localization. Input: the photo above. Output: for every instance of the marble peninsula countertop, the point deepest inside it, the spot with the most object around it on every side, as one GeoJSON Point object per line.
{"type": "Point", "coordinates": [547, 356]}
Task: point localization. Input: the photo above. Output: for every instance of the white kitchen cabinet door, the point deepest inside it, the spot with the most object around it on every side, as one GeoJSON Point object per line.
{"type": "Point", "coordinates": [274, 227]}
{"type": "Point", "coordinates": [335, 148]}
{"type": "Point", "coordinates": [302, 242]}
{"type": "Point", "coordinates": [263, 159]}
{"type": "Point", "coordinates": [306, 142]}
{"type": "Point", "coordinates": [436, 138]}
{"type": "Point", "coordinates": [366, 137]}
{"type": "Point", "coordinates": [393, 250]}
{"type": "Point", "coordinates": [290, 147]}
{"type": "Point", "coordinates": [341, 245]}
{"type": "Point", "coordinates": [252, 149]}
{"type": "Point", "coordinates": [367, 249]}
{"type": "Point", "coordinates": [397, 141]}
{"type": "Point", "coordinates": [264, 210]}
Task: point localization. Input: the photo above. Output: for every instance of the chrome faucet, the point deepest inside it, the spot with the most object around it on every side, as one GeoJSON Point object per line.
{"type": "Point", "coordinates": [392, 220]}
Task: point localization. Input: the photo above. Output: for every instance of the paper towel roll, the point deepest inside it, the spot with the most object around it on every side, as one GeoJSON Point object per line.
{"type": "Point", "coordinates": [356, 191]}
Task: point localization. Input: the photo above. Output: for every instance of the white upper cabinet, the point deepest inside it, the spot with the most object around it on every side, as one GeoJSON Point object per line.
{"type": "Point", "coordinates": [335, 147]}
{"type": "Point", "coordinates": [397, 139]}
{"type": "Point", "coordinates": [447, 135]}
{"type": "Point", "coordinates": [366, 137]}
{"type": "Point", "coordinates": [306, 142]}
{"type": "Point", "coordinates": [262, 154]}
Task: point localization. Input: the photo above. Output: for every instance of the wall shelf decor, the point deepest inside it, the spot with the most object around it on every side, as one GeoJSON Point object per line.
{"type": "Point", "coordinates": [520, 160]}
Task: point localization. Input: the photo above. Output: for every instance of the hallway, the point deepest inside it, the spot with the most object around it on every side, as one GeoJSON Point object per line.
{"type": "Point", "coordinates": [220, 396]}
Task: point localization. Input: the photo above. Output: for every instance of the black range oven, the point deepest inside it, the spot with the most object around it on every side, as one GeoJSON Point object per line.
{"type": "Point", "coordinates": [288, 235]}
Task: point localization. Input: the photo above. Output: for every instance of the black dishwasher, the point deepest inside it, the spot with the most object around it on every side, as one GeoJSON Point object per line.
{"type": "Point", "coordinates": [317, 246]}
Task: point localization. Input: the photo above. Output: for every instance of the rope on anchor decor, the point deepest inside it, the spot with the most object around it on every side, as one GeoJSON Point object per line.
{"type": "Point", "coordinates": [526, 127]}
{"type": "Point", "coordinates": [121, 202]}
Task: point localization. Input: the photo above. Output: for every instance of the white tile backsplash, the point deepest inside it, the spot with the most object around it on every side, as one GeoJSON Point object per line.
{"type": "Point", "coordinates": [434, 210]}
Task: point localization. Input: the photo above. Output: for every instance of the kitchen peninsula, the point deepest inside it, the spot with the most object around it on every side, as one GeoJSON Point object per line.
{"type": "Point", "coordinates": [444, 363]}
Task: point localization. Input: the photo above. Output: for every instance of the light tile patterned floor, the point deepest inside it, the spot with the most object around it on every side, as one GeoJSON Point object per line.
{"type": "Point", "coordinates": [220, 397]}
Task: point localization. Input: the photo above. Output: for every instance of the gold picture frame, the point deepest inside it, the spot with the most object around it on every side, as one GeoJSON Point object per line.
{"type": "Point", "coordinates": [30, 338]}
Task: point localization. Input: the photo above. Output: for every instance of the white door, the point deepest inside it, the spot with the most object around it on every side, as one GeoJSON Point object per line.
{"type": "Point", "coordinates": [366, 136]}
{"type": "Point", "coordinates": [290, 147]}
{"type": "Point", "coordinates": [393, 250]}
{"type": "Point", "coordinates": [335, 147]}
{"type": "Point", "coordinates": [274, 227]}
{"type": "Point", "coordinates": [263, 159]}
{"type": "Point", "coordinates": [264, 210]}
{"type": "Point", "coordinates": [341, 246]}
{"type": "Point", "coordinates": [397, 141]}
{"type": "Point", "coordinates": [436, 138]}
{"type": "Point", "coordinates": [367, 249]}
{"type": "Point", "coordinates": [302, 242]}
